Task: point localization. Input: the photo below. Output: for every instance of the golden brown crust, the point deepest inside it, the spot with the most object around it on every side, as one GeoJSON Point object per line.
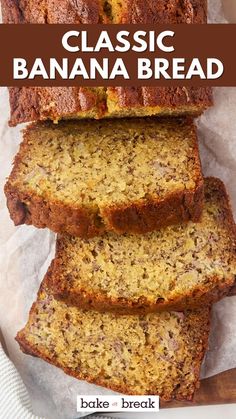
{"type": "Point", "coordinates": [31, 104]}
{"type": "Point", "coordinates": [232, 290]}
{"type": "Point", "coordinates": [166, 97]}
{"type": "Point", "coordinates": [42, 103]}
{"type": "Point", "coordinates": [138, 217]}
{"type": "Point", "coordinates": [162, 11]}
{"type": "Point", "coordinates": [144, 217]}
{"type": "Point", "coordinates": [52, 11]}
{"type": "Point", "coordinates": [58, 217]}
{"type": "Point", "coordinates": [98, 11]}
{"type": "Point", "coordinates": [199, 321]}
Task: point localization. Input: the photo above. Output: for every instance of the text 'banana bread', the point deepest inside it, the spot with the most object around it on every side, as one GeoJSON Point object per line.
{"type": "Point", "coordinates": [178, 267]}
{"type": "Point", "coordinates": [153, 354]}
{"type": "Point", "coordinates": [41, 103]}
{"type": "Point", "coordinates": [120, 175]}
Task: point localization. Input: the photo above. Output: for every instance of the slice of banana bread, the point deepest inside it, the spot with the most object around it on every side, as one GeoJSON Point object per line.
{"type": "Point", "coordinates": [41, 103]}
{"type": "Point", "coordinates": [178, 267]}
{"type": "Point", "coordinates": [153, 354]}
{"type": "Point", "coordinates": [121, 175]}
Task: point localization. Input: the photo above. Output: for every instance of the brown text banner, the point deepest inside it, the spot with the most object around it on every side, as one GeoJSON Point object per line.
{"type": "Point", "coordinates": [117, 55]}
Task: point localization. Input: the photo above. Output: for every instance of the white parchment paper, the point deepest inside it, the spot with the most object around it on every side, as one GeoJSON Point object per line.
{"type": "Point", "coordinates": [25, 254]}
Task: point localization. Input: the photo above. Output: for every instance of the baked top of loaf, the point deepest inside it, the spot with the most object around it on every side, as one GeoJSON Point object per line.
{"type": "Point", "coordinates": [100, 11]}
{"type": "Point", "coordinates": [153, 354]}
{"type": "Point", "coordinates": [178, 267]}
{"type": "Point", "coordinates": [121, 175]}
{"type": "Point", "coordinates": [55, 103]}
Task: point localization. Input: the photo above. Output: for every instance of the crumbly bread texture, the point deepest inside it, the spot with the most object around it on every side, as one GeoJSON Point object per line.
{"type": "Point", "coordinates": [55, 103]}
{"type": "Point", "coordinates": [121, 175]}
{"type": "Point", "coordinates": [152, 354]}
{"type": "Point", "coordinates": [104, 11]}
{"type": "Point", "coordinates": [178, 267]}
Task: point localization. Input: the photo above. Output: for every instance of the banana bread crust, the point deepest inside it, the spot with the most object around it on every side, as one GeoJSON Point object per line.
{"type": "Point", "coordinates": [199, 322]}
{"type": "Point", "coordinates": [98, 11]}
{"type": "Point", "coordinates": [32, 103]}
{"type": "Point", "coordinates": [136, 218]}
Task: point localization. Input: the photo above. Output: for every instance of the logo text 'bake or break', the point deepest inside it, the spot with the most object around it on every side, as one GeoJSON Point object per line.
{"type": "Point", "coordinates": [117, 403]}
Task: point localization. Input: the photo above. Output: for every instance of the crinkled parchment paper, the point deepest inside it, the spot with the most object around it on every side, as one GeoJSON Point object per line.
{"type": "Point", "coordinates": [25, 254]}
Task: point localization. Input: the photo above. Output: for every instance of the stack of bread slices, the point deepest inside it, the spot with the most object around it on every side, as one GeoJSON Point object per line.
{"type": "Point", "coordinates": [145, 244]}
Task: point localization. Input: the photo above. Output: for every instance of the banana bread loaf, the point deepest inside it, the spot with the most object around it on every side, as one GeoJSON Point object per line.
{"type": "Point", "coordinates": [179, 267]}
{"type": "Point", "coordinates": [121, 175]}
{"type": "Point", "coordinates": [153, 354]}
{"type": "Point", "coordinates": [55, 103]}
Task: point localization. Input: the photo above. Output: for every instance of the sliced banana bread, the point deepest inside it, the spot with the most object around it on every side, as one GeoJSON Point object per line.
{"type": "Point", "coordinates": [120, 175]}
{"type": "Point", "coordinates": [153, 354]}
{"type": "Point", "coordinates": [40, 103]}
{"type": "Point", "coordinates": [178, 267]}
